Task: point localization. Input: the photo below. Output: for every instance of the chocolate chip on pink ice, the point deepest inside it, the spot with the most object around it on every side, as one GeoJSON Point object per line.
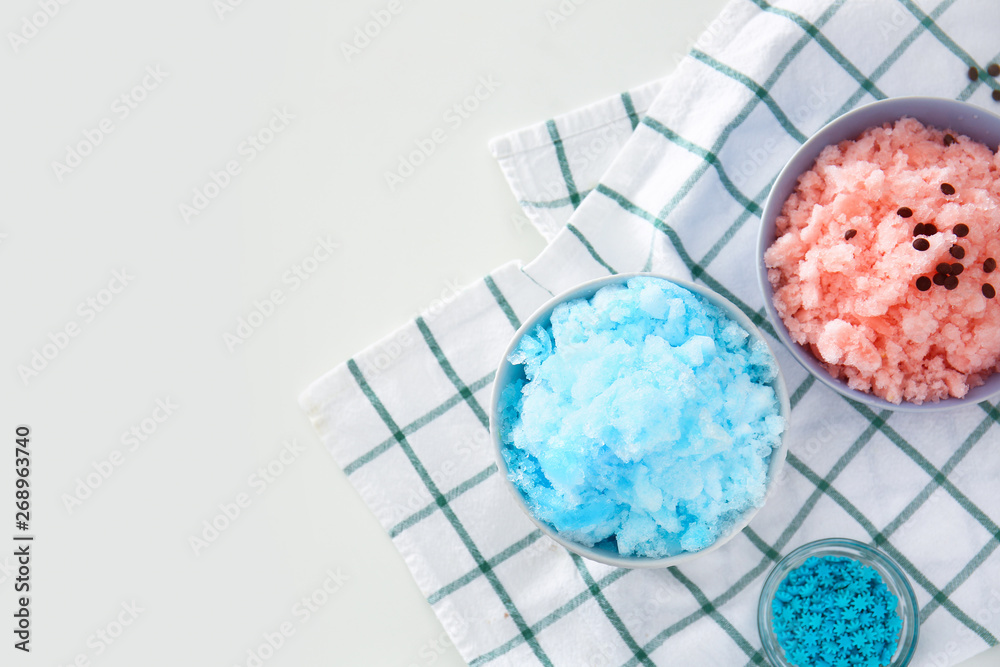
{"type": "Point", "coordinates": [904, 307]}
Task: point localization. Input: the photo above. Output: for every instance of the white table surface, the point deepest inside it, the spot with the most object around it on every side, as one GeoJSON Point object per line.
{"type": "Point", "coordinates": [160, 336]}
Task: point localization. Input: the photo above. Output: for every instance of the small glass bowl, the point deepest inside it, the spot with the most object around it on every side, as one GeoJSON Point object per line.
{"type": "Point", "coordinates": [891, 574]}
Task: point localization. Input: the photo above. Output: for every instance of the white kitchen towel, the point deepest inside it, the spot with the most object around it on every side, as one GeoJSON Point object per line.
{"type": "Point", "coordinates": [590, 139]}
{"type": "Point", "coordinates": [406, 418]}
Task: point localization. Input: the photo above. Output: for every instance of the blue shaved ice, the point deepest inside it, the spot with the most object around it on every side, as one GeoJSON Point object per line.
{"type": "Point", "coordinates": [644, 420]}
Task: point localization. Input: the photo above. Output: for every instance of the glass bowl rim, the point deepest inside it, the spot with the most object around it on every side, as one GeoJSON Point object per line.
{"type": "Point", "coordinates": [899, 586]}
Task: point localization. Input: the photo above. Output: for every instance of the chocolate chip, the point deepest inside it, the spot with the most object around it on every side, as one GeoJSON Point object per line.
{"type": "Point", "coordinates": [929, 229]}
{"type": "Point", "coordinates": [939, 278]}
{"type": "Point", "coordinates": [956, 269]}
{"type": "Point", "coordinates": [957, 251]}
{"type": "Point", "coordinates": [950, 283]}
{"type": "Point", "coordinates": [944, 267]}
{"type": "Point", "coordinates": [988, 291]}
{"type": "Point", "coordinates": [904, 212]}
{"type": "Point", "coordinates": [949, 139]}
{"type": "Point", "coordinates": [990, 265]}
{"type": "Point", "coordinates": [850, 234]}
{"type": "Point", "coordinates": [996, 95]}
{"type": "Point", "coordinates": [923, 283]}
{"type": "Point", "coordinates": [993, 69]}
{"type": "Point", "coordinates": [948, 188]}
{"type": "Point", "coordinates": [961, 230]}
{"type": "Point", "coordinates": [973, 73]}
{"type": "Point", "coordinates": [918, 229]}
{"type": "Point", "coordinates": [921, 244]}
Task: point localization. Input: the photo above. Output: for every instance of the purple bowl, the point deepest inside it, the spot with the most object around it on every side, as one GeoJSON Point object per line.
{"type": "Point", "coordinates": [961, 117]}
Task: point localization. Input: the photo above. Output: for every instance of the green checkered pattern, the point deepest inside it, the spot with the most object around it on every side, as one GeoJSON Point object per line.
{"type": "Point", "coordinates": [407, 418]}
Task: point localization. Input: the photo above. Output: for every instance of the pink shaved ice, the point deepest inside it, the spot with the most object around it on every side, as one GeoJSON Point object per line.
{"type": "Point", "coordinates": [854, 302]}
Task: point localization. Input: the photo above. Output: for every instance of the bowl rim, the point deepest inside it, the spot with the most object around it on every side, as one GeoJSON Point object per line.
{"type": "Point", "coordinates": [586, 290]}
{"type": "Point", "coordinates": [887, 110]}
{"type": "Point", "coordinates": [907, 597]}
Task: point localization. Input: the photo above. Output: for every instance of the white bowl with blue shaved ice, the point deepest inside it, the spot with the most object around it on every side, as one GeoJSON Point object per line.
{"type": "Point", "coordinates": [639, 420]}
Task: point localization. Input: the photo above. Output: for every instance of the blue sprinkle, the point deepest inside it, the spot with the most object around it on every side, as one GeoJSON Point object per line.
{"type": "Point", "coordinates": [836, 611]}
